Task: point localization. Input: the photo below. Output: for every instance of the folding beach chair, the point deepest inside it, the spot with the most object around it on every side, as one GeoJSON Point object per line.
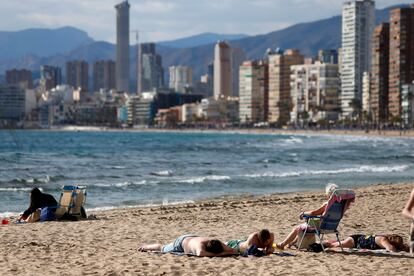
{"type": "Point", "coordinates": [72, 200]}
{"type": "Point", "coordinates": [328, 223]}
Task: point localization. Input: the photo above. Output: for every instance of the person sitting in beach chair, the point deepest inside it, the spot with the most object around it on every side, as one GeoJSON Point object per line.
{"type": "Point", "coordinates": [263, 240]}
{"type": "Point", "coordinates": [391, 243]}
{"type": "Point", "coordinates": [323, 220]}
{"type": "Point", "coordinates": [192, 245]}
{"type": "Point", "coordinates": [38, 200]}
{"type": "Point", "coordinates": [71, 203]}
{"type": "Point", "coordinates": [408, 212]}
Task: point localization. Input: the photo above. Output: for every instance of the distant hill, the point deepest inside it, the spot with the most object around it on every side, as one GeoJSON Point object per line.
{"type": "Point", "coordinates": [307, 37]}
{"type": "Point", "coordinates": [201, 39]}
{"type": "Point", "coordinates": [41, 42]}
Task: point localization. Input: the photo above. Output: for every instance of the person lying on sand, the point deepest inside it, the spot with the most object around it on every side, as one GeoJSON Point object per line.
{"type": "Point", "coordinates": [292, 237]}
{"type": "Point", "coordinates": [408, 212]}
{"type": "Point", "coordinates": [192, 245]}
{"type": "Point", "coordinates": [391, 243]}
{"type": "Point", "coordinates": [262, 240]}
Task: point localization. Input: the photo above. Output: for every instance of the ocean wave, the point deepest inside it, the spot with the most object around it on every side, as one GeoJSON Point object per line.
{"type": "Point", "coordinates": [162, 173]}
{"type": "Point", "coordinates": [124, 184]}
{"type": "Point", "coordinates": [165, 202]}
{"type": "Point", "coordinates": [8, 214]}
{"type": "Point", "coordinates": [34, 180]}
{"type": "Point", "coordinates": [361, 169]}
{"type": "Point", "coordinates": [202, 179]}
{"type": "Point", "coordinates": [15, 189]}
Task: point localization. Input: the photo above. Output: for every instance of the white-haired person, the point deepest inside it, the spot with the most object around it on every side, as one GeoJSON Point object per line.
{"type": "Point", "coordinates": [292, 237]}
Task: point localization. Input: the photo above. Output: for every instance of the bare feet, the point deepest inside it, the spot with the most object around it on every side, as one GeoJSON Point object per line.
{"type": "Point", "coordinates": [150, 247]}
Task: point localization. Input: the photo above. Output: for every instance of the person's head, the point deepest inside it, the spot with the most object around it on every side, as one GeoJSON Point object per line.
{"type": "Point", "coordinates": [264, 236]}
{"type": "Point", "coordinates": [330, 188]}
{"type": "Point", "coordinates": [35, 193]}
{"type": "Point", "coordinates": [214, 246]}
{"type": "Point", "coordinates": [398, 242]}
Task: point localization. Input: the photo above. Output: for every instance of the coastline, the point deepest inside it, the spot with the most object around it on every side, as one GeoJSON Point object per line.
{"type": "Point", "coordinates": [253, 131]}
{"type": "Point", "coordinates": [108, 245]}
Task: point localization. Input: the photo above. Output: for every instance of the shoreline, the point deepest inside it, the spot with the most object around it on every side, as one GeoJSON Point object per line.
{"type": "Point", "coordinates": [108, 244]}
{"type": "Point", "coordinates": [252, 131]}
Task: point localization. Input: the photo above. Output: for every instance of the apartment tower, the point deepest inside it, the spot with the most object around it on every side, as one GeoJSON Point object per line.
{"type": "Point", "coordinates": [380, 72]}
{"type": "Point", "coordinates": [358, 22]}
{"type": "Point", "coordinates": [401, 56]}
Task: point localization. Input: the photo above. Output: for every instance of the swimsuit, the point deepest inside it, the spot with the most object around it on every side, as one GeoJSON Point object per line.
{"type": "Point", "coordinates": [235, 244]}
{"type": "Point", "coordinates": [365, 242]}
{"type": "Point", "coordinates": [177, 245]}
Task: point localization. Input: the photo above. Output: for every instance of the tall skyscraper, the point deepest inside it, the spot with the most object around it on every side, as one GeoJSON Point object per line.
{"type": "Point", "coordinates": [358, 22]}
{"type": "Point", "coordinates": [252, 92]}
{"type": "Point", "coordinates": [12, 102]}
{"type": "Point", "coordinates": [380, 72]}
{"type": "Point", "coordinates": [77, 74]}
{"type": "Point", "coordinates": [223, 80]}
{"type": "Point", "coordinates": [237, 58]}
{"type": "Point", "coordinates": [104, 75]}
{"type": "Point", "coordinates": [180, 78]}
{"type": "Point", "coordinates": [151, 73]}
{"type": "Point", "coordinates": [401, 56]}
{"type": "Point", "coordinates": [50, 76]}
{"type": "Point", "coordinates": [122, 46]}
{"type": "Point", "coordinates": [280, 102]}
{"type": "Point", "coordinates": [22, 78]}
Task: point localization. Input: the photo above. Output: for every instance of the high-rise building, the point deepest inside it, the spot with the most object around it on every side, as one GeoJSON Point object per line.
{"type": "Point", "coordinates": [77, 74]}
{"type": "Point", "coordinates": [401, 68]}
{"type": "Point", "coordinates": [328, 56]}
{"type": "Point", "coordinates": [237, 58]}
{"type": "Point", "coordinates": [358, 22]}
{"type": "Point", "coordinates": [380, 72]}
{"type": "Point", "coordinates": [180, 78]}
{"type": "Point", "coordinates": [280, 103]}
{"type": "Point", "coordinates": [22, 78]}
{"type": "Point", "coordinates": [104, 75]}
{"type": "Point", "coordinates": [315, 90]}
{"type": "Point", "coordinates": [122, 46]}
{"type": "Point", "coordinates": [12, 102]}
{"type": "Point", "coordinates": [223, 80]}
{"type": "Point", "coordinates": [151, 73]}
{"type": "Point", "coordinates": [50, 76]}
{"type": "Point", "coordinates": [252, 92]}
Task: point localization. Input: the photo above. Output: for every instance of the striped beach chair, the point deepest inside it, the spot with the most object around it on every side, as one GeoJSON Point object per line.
{"type": "Point", "coordinates": [72, 200]}
{"type": "Point", "coordinates": [328, 223]}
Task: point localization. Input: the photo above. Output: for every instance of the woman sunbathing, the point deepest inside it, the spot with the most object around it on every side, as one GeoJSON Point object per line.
{"type": "Point", "coordinates": [292, 237]}
{"type": "Point", "coordinates": [391, 243]}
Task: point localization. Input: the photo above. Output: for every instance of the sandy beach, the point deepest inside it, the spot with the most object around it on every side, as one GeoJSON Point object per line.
{"type": "Point", "coordinates": [108, 245]}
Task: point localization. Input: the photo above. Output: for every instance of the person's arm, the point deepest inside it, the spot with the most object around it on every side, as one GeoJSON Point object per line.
{"type": "Point", "coordinates": [408, 211]}
{"type": "Point", "coordinates": [385, 243]}
{"type": "Point", "coordinates": [269, 249]}
{"type": "Point", "coordinates": [316, 212]}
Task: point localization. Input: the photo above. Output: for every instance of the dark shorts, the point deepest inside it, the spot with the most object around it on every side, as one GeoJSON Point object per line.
{"type": "Point", "coordinates": [177, 245]}
{"type": "Point", "coordinates": [365, 242]}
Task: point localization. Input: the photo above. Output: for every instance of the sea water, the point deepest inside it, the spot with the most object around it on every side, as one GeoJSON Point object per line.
{"type": "Point", "coordinates": [122, 169]}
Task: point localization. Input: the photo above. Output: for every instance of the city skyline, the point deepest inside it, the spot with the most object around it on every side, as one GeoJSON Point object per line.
{"type": "Point", "coordinates": [160, 20]}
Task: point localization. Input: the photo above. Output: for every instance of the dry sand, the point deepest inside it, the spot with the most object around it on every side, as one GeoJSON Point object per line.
{"type": "Point", "coordinates": [107, 246]}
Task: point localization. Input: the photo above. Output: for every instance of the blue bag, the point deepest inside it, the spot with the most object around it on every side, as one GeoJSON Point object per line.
{"type": "Point", "coordinates": [47, 214]}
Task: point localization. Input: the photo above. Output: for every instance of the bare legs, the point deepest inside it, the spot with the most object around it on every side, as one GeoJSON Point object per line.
{"type": "Point", "coordinates": [290, 239]}
{"type": "Point", "coordinates": [150, 247]}
{"type": "Point", "coordinates": [347, 243]}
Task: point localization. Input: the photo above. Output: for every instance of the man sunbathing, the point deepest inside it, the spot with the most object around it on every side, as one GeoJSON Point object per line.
{"type": "Point", "coordinates": [262, 240]}
{"type": "Point", "coordinates": [192, 245]}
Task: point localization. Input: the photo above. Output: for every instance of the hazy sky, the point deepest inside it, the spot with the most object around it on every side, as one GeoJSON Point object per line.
{"type": "Point", "coordinates": [168, 19]}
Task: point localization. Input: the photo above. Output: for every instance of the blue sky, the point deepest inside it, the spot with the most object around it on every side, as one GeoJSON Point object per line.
{"type": "Point", "coordinates": [160, 20]}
